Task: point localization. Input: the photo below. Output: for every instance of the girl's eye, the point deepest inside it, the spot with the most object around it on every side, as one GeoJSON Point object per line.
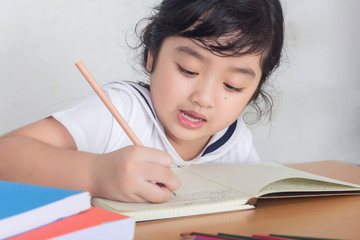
{"type": "Point", "coordinates": [231, 88]}
{"type": "Point", "coordinates": [186, 72]}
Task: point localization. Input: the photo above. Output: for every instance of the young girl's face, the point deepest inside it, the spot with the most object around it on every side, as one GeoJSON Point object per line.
{"type": "Point", "coordinates": [196, 93]}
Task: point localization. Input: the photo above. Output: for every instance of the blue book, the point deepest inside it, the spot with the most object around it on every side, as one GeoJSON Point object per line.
{"type": "Point", "coordinates": [24, 207]}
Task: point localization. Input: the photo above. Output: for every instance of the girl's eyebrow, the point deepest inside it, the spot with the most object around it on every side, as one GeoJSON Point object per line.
{"type": "Point", "coordinates": [192, 52]}
{"type": "Point", "coordinates": [244, 70]}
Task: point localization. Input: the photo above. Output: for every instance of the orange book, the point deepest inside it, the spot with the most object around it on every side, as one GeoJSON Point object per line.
{"type": "Point", "coordinates": [94, 223]}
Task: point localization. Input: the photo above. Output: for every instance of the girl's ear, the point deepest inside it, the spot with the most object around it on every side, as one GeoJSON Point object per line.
{"type": "Point", "coordinates": [150, 61]}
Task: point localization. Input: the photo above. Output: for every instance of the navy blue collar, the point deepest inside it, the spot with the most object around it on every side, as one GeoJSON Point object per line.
{"type": "Point", "coordinates": [221, 141]}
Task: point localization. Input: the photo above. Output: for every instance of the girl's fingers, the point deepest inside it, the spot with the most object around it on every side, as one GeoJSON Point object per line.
{"type": "Point", "coordinates": [154, 193]}
{"type": "Point", "coordinates": [162, 175]}
{"type": "Point", "coordinates": [139, 174]}
{"type": "Point", "coordinates": [156, 183]}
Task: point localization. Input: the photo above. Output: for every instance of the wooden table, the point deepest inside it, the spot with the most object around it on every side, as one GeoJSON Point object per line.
{"type": "Point", "coordinates": [330, 217]}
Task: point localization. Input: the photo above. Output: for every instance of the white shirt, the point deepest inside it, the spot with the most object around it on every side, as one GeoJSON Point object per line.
{"type": "Point", "coordinates": [95, 130]}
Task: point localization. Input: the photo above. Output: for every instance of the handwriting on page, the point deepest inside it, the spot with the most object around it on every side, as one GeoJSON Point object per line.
{"type": "Point", "coordinates": [199, 190]}
{"type": "Point", "coordinates": [208, 196]}
{"type": "Point", "coordinates": [183, 198]}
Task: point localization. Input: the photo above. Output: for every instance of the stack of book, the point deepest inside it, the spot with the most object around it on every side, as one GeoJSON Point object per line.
{"type": "Point", "coordinates": [39, 212]}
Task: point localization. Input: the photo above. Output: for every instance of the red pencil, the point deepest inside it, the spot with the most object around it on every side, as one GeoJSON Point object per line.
{"type": "Point", "coordinates": [270, 237]}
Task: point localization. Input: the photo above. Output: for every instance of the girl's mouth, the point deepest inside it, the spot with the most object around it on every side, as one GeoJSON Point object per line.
{"type": "Point", "coordinates": [191, 119]}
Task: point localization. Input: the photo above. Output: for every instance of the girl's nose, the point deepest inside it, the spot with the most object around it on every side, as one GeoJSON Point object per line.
{"type": "Point", "coordinates": [204, 92]}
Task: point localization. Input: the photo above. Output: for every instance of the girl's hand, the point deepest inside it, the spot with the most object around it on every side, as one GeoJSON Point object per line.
{"type": "Point", "coordinates": [128, 175]}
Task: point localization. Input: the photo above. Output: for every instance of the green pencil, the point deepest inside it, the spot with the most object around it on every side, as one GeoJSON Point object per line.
{"type": "Point", "coordinates": [239, 236]}
{"type": "Point", "coordinates": [301, 237]}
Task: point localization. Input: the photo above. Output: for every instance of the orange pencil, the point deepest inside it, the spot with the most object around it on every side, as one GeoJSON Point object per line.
{"type": "Point", "coordinates": [108, 103]}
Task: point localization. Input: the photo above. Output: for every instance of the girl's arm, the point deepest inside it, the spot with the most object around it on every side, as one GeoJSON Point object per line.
{"type": "Point", "coordinates": [45, 153]}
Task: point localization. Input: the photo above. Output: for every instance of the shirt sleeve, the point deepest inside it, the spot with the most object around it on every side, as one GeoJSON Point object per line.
{"type": "Point", "coordinates": [89, 122]}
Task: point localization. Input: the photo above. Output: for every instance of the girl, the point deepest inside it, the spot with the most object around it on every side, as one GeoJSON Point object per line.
{"type": "Point", "coordinates": [207, 60]}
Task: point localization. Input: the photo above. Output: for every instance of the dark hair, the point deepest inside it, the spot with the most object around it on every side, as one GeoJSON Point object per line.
{"type": "Point", "coordinates": [253, 26]}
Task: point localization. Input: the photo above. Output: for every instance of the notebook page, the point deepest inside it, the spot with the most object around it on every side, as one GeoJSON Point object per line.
{"type": "Point", "coordinates": [251, 178]}
{"type": "Point", "coordinates": [304, 185]}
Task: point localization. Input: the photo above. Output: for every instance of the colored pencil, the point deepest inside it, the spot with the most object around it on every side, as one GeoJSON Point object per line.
{"type": "Point", "coordinates": [300, 237]}
{"type": "Point", "coordinates": [199, 237]}
{"type": "Point", "coordinates": [239, 236]}
{"type": "Point", "coordinates": [200, 234]}
{"type": "Point", "coordinates": [270, 237]}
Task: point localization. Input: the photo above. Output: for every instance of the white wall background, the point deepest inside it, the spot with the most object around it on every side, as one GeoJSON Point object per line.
{"type": "Point", "coordinates": [317, 112]}
{"type": "Point", "coordinates": [317, 107]}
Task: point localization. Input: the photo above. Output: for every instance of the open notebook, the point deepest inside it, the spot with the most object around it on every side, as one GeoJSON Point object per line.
{"type": "Point", "coordinates": [220, 187]}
